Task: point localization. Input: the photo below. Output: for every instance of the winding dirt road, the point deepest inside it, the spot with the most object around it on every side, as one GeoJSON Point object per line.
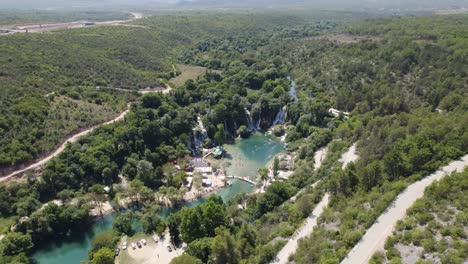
{"type": "Point", "coordinates": [375, 237]}
{"type": "Point", "coordinates": [304, 231]}
{"type": "Point", "coordinates": [349, 156]}
{"type": "Point", "coordinates": [74, 138]}
{"type": "Point", "coordinates": [71, 139]}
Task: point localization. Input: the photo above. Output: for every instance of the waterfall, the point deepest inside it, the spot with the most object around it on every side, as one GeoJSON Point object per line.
{"type": "Point", "coordinates": [249, 120]}
{"type": "Point", "coordinates": [281, 116]}
{"type": "Point", "coordinates": [235, 126]}
{"type": "Point", "coordinates": [259, 121]}
{"type": "Point", "coordinates": [199, 134]}
{"type": "Point", "coordinates": [292, 89]}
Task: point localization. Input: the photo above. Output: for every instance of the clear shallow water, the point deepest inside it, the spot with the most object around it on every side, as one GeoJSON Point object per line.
{"type": "Point", "coordinates": [248, 155]}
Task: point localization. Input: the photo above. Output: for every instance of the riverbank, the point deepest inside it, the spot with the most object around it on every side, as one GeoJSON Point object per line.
{"type": "Point", "coordinates": [256, 152]}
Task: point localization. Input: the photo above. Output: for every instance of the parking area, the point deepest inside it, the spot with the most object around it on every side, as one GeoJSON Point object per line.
{"type": "Point", "coordinates": [152, 252]}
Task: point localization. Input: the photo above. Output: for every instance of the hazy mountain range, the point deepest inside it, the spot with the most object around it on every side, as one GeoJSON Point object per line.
{"type": "Point", "coordinates": [317, 4]}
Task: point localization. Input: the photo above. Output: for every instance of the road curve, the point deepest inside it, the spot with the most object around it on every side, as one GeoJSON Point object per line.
{"type": "Point", "coordinates": [74, 138]}
{"type": "Point", "coordinates": [305, 230]}
{"type": "Point", "coordinates": [71, 139]}
{"type": "Point", "coordinates": [375, 237]}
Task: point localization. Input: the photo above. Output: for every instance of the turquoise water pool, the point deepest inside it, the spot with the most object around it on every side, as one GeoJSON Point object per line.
{"type": "Point", "coordinates": [245, 157]}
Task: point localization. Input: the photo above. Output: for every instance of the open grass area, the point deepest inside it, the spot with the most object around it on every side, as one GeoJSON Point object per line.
{"type": "Point", "coordinates": [189, 72]}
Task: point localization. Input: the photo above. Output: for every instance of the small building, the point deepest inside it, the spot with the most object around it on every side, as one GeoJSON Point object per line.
{"type": "Point", "coordinates": [207, 183]}
{"type": "Point", "coordinates": [204, 170]}
{"type": "Point", "coordinates": [188, 182]}
{"type": "Point", "coordinates": [218, 152]}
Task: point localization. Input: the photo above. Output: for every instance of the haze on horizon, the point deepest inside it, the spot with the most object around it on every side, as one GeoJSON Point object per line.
{"type": "Point", "coordinates": [315, 4]}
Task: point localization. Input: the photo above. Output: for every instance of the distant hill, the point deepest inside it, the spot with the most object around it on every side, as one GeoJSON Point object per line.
{"type": "Point", "coordinates": [333, 4]}
{"type": "Point", "coordinates": [316, 4]}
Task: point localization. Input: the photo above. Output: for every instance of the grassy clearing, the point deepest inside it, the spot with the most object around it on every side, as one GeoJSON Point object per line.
{"type": "Point", "coordinates": [188, 73]}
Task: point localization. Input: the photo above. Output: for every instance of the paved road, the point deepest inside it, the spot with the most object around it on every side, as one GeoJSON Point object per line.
{"type": "Point", "coordinates": [304, 231]}
{"type": "Point", "coordinates": [375, 237]}
{"type": "Point", "coordinates": [72, 25]}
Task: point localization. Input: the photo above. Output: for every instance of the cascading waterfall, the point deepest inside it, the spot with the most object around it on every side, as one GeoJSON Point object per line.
{"type": "Point", "coordinates": [281, 116]}
{"type": "Point", "coordinates": [259, 122]}
{"type": "Point", "coordinates": [199, 134]}
{"type": "Point", "coordinates": [249, 120]}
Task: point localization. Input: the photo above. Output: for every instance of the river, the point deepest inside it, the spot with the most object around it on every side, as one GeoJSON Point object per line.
{"type": "Point", "coordinates": [244, 158]}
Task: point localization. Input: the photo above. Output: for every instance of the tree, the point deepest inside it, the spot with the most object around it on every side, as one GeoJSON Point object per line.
{"type": "Point", "coordinates": [191, 224]}
{"type": "Point", "coordinates": [246, 240]}
{"type": "Point", "coordinates": [214, 214]}
{"type": "Point", "coordinates": [185, 259]}
{"type": "Point", "coordinates": [151, 100]}
{"type": "Point", "coordinates": [145, 173]}
{"type": "Point", "coordinates": [134, 190]}
{"type": "Point", "coordinates": [395, 164]}
{"type": "Point", "coordinates": [243, 131]}
{"type": "Point", "coordinates": [66, 195]}
{"type": "Point", "coordinates": [263, 173]}
{"type": "Point", "coordinates": [275, 166]}
{"type": "Point", "coordinates": [219, 135]}
{"type": "Point", "coordinates": [98, 196]}
{"type": "Point", "coordinates": [200, 248]}
{"type": "Point", "coordinates": [224, 247]}
{"type": "Point", "coordinates": [173, 223]}
{"type": "Point", "coordinates": [123, 223]}
{"type": "Point", "coordinates": [103, 240]}
{"type": "Point", "coordinates": [152, 222]}
{"type": "Point", "coordinates": [16, 243]}
{"type": "Point", "coordinates": [371, 175]}
{"type": "Point", "coordinates": [104, 255]}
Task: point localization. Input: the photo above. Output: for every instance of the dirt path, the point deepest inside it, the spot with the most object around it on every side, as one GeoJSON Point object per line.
{"type": "Point", "coordinates": [349, 156]}
{"type": "Point", "coordinates": [305, 230]}
{"type": "Point", "coordinates": [74, 138]}
{"type": "Point", "coordinates": [375, 236]}
{"type": "Point", "coordinates": [71, 139]}
{"type": "Point", "coordinates": [319, 157]}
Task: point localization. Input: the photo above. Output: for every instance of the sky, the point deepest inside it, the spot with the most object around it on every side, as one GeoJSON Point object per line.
{"type": "Point", "coordinates": [318, 4]}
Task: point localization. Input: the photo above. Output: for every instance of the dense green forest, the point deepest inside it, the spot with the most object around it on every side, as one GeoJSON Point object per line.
{"type": "Point", "coordinates": [125, 57]}
{"type": "Point", "coordinates": [402, 79]}
{"type": "Point", "coordinates": [392, 85]}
